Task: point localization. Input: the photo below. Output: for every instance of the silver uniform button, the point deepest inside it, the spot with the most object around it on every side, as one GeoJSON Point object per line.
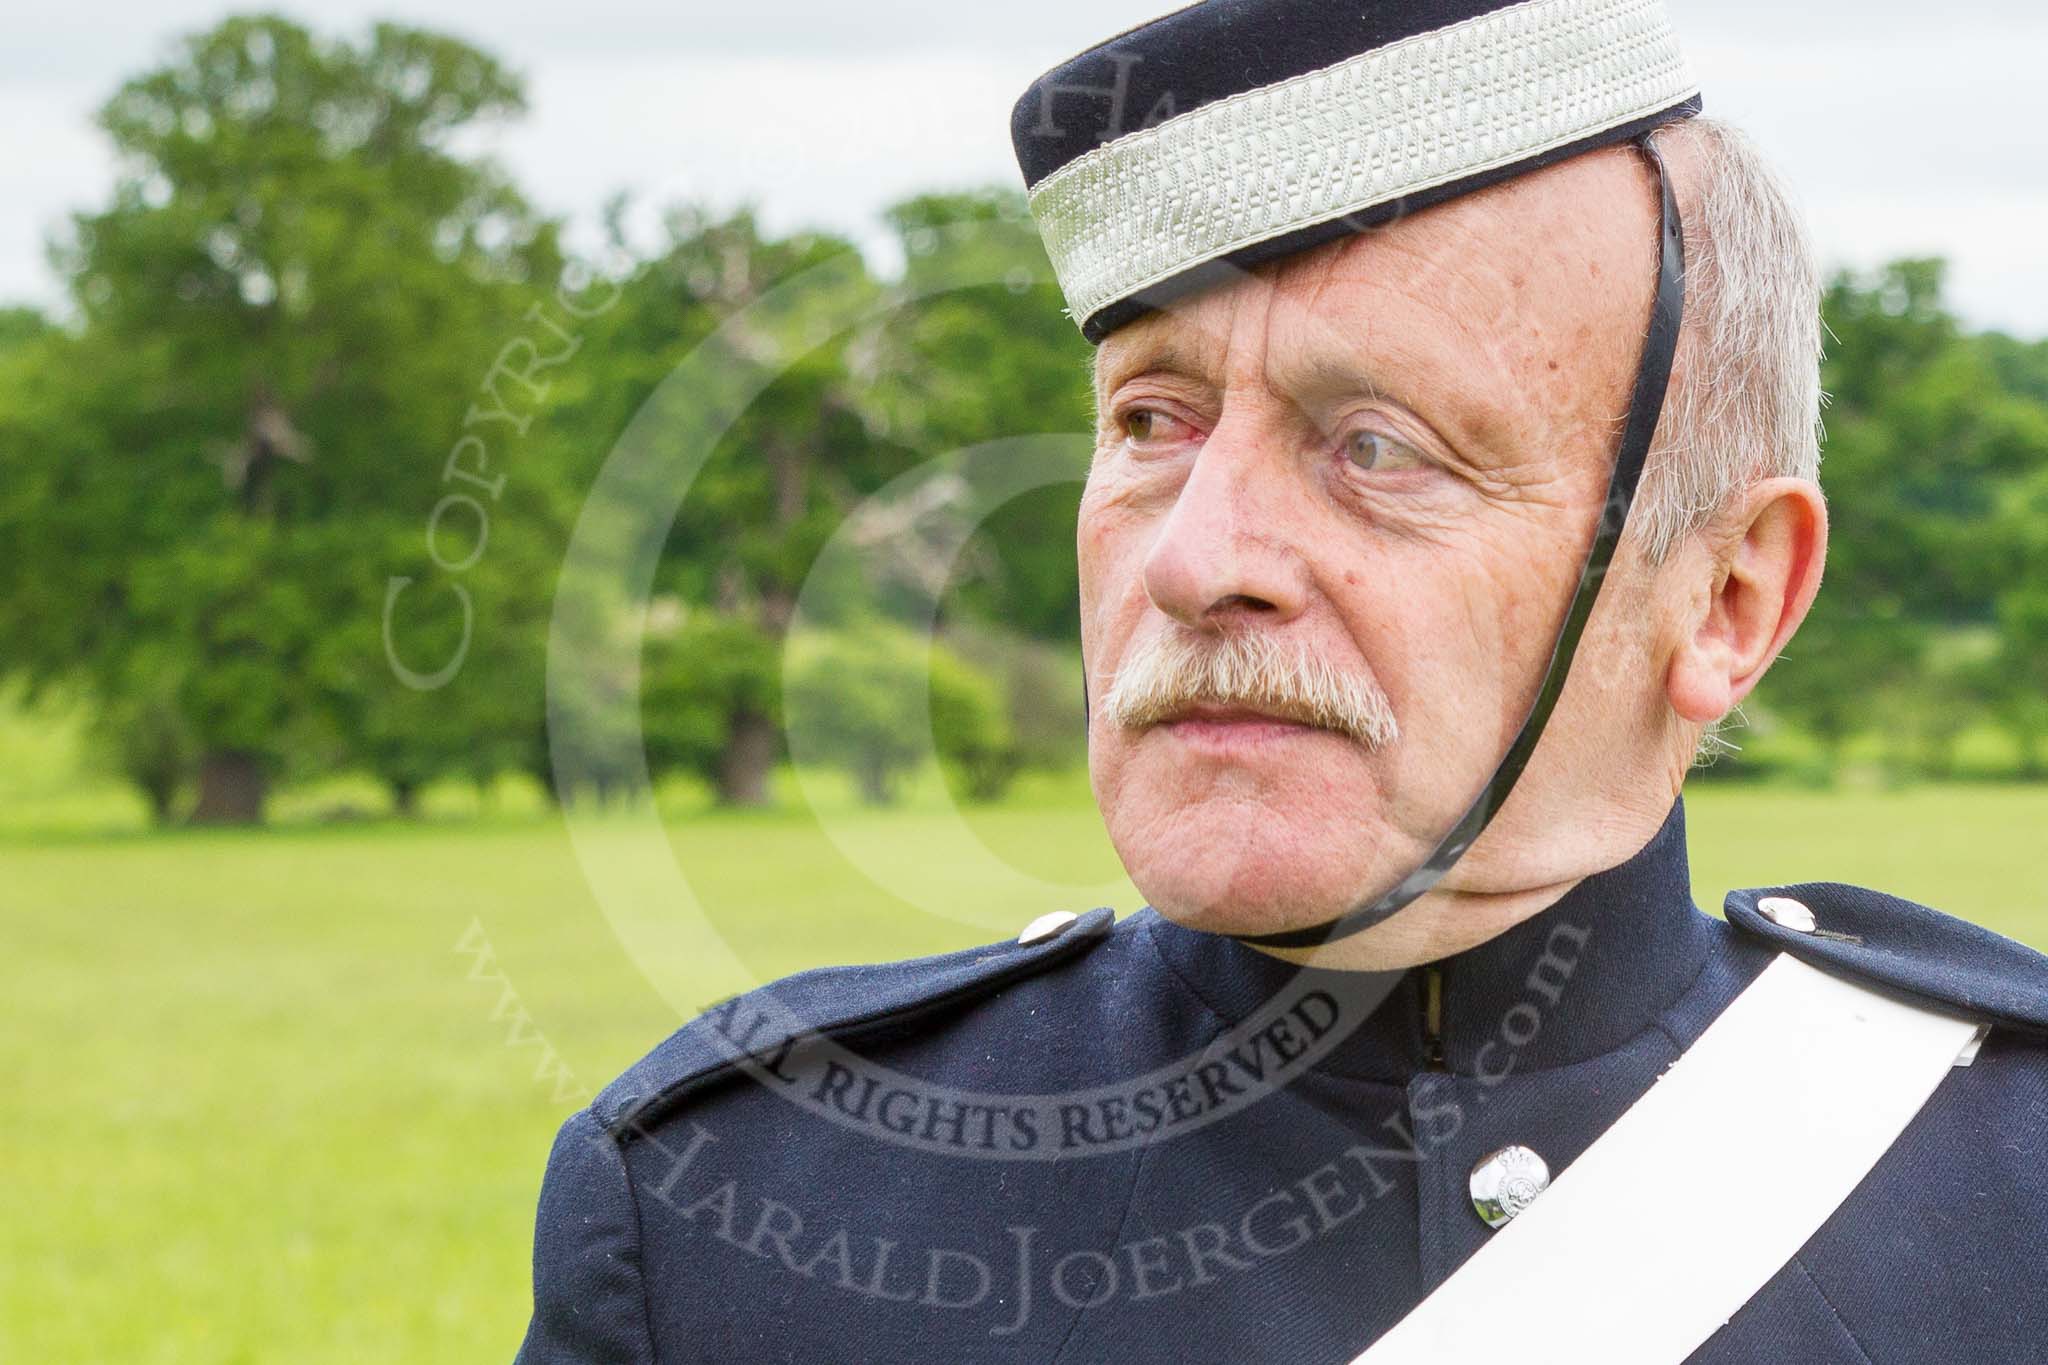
{"type": "Point", "coordinates": [1506, 1183]}
{"type": "Point", "coordinates": [1786, 913]}
{"type": "Point", "coordinates": [1047, 926]}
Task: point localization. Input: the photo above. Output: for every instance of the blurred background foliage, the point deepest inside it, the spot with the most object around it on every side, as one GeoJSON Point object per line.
{"type": "Point", "coordinates": [331, 399]}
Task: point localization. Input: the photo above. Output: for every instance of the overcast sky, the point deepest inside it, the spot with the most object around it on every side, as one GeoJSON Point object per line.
{"type": "Point", "coordinates": [1907, 129]}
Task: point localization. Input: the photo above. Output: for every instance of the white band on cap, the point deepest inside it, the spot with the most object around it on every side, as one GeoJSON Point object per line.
{"type": "Point", "coordinates": [1408, 117]}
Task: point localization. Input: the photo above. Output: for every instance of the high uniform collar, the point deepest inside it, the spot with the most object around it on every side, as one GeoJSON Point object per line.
{"type": "Point", "coordinates": [1571, 982]}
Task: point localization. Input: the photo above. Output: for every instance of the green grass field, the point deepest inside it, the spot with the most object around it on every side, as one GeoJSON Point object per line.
{"type": "Point", "coordinates": [259, 1107]}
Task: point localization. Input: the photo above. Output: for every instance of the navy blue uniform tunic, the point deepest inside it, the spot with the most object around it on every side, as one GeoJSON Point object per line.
{"type": "Point", "coordinates": [862, 1191]}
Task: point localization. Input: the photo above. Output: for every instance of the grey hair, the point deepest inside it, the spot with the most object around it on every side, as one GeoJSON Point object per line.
{"type": "Point", "coordinates": [1745, 397]}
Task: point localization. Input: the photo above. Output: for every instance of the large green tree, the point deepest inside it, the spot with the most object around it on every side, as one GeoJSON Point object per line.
{"type": "Point", "coordinates": [297, 300]}
{"type": "Point", "coordinates": [978, 348]}
{"type": "Point", "coordinates": [1930, 432]}
{"type": "Point", "coordinates": [742, 347]}
{"type": "Point", "coordinates": [2020, 668]}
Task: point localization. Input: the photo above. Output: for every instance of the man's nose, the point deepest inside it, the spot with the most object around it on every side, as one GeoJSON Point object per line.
{"type": "Point", "coordinates": [1224, 552]}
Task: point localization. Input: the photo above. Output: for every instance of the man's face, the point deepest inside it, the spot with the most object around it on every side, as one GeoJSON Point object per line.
{"type": "Point", "coordinates": [1350, 495]}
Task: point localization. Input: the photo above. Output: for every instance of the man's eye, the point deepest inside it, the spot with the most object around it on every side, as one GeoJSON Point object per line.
{"type": "Point", "coordinates": [1149, 426]}
{"type": "Point", "coordinates": [1146, 425]}
{"type": "Point", "coordinates": [1376, 450]}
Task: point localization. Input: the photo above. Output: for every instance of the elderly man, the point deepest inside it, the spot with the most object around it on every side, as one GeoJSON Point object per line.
{"type": "Point", "coordinates": [1404, 617]}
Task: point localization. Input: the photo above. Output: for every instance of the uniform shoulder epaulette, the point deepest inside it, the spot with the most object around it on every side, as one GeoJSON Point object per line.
{"type": "Point", "coordinates": [1900, 947]}
{"type": "Point", "coordinates": [844, 1004]}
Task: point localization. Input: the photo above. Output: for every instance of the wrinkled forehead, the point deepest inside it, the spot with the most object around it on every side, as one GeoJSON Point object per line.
{"type": "Point", "coordinates": [1471, 294]}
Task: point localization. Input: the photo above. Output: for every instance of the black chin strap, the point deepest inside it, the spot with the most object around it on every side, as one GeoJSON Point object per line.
{"type": "Point", "coordinates": [1653, 377]}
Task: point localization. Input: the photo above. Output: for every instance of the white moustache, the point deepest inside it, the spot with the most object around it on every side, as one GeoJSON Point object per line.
{"type": "Point", "coordinates": [1170, 673]}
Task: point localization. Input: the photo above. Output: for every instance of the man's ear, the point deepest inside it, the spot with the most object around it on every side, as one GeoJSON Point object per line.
{"type": "Point", "coordinates": [1766, 569]}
